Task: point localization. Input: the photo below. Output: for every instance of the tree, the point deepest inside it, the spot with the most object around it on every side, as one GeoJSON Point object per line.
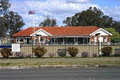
{"type": "Point", "coordinates": [116, 25]}
{"type": "Point", "coordinates": [92, 17]}
{"type": "Point", "coordinates": [15, 23]}
{"type": "Point", "coordinates": [11, 22]}
{"type": "Point", "coordinates": [48, 22]}
{"type": "Point", "coordinates": [4, 5]}
{"type": "Point", "coordinates": [115, 35]}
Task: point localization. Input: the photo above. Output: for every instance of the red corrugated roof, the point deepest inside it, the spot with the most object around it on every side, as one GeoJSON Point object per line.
{"type": "Point", "coordinates": [60, 31]}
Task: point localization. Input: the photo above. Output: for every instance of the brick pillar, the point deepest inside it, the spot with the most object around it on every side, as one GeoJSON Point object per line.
{"type": "Point", "coordinates": [14, 40]}
{"type": "Point", "coordinates": [91, 39]}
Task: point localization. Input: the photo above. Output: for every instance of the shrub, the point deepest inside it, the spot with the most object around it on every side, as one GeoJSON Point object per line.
{"type": "Point", "coordinates": [20, 55]}
{"type": "Point", "coordinates": [6, 52]}
{"type": "Point", "coordinates": [85, 54]}
{"type": "Point", "coordinates": [51, 54]}
{"type": "Point", "coordinates": [94, 54]}
{"type": "Point", "coordinates": [117, 52]}
{"type": "Point", "coordinates": [61, 52]}
{"type": "Point", "coordinates": [73, 51]}
{"type": "Point", "coordinates": [39, 51]}
{"type": "Point", "coordinates": [106, 51]}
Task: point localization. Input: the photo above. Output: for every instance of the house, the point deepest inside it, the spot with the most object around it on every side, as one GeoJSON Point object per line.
{"type": "Point", "coordinates": [63, 35]}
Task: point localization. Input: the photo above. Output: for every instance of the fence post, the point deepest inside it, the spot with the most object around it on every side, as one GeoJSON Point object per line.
{"type": "Point", "coordinates": [32, 48]}
{"type": "Point", "coordinates": [65, 44]}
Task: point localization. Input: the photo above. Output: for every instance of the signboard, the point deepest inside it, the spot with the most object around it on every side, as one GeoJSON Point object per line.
{"type": "Point", "coordinates": [5, 46]}
{"type": "Point", "coordinates": [15, 47]}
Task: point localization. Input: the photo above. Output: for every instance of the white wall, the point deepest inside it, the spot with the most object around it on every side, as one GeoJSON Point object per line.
{"type": "Point", "coordinates": [41, 33]}
{"type": "Point", "coordinates": [102, 33]}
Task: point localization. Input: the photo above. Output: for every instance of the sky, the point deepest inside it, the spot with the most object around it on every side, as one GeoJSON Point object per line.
{"type": "Point", "coordinates": [61, 9]}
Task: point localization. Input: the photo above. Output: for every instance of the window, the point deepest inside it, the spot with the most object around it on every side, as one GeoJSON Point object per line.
{"type": "Point", "coordinates": [95, 39]}
{"type": "Point", "coordinates": [105, 39]}
{"type": "Point", "coordinates": [41, 39]}
{"type": "Point", "coordinates": [70, 40]}
{"type": "Point", "coordinates": [101, 39]}
{"type": "Point", "coordinates": [20, 39]}
{"type": "Point", "coordinates": [80, 40]}
{"type": "Point", "coordinates": [46, 39]}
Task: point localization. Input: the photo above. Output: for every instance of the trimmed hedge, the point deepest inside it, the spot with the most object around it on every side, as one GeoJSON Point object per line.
{"type": "Point", "coordinates": [106, 51]}
{"type": "Point", "coordinates": [61, 52]}
{"type": "Point", "coordinates": [39, 51]}
{"type": "Point", "coordinates": [85, 54]}
{"type": "Point", "coordinates": [73, 51]}
{"type": "Point", "coordinates": [6, 52]}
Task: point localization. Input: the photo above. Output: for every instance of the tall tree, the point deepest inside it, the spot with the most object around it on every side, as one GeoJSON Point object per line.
{"type": "Point", "coordinates": [116, 25]}
{"type": "Point", "coordinates": [92, 17]}
{"type": "Point", "coordinates": [3, 25]}
{"type": "Point", "coordinates": [10, 22]}
{"type": "Point", "coordinates": [115, 35]}
{"type": "Point", "coordinates": [48, 22]}
{"type": "Point", "coordinates": [15, 23]}
{"type": "Point", "coordinates": [4, 5]}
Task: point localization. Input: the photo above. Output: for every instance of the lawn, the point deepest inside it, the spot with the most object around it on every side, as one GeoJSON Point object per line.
{"type": "Point", "coordinates": [101, 61]}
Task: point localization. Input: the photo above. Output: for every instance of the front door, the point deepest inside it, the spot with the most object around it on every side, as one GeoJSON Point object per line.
{"type": "Point", "coordinates": [28, 40]}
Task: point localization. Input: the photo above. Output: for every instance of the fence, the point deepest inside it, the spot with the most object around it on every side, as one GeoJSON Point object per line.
{"type": "Point", "coordinates": [27, 49]}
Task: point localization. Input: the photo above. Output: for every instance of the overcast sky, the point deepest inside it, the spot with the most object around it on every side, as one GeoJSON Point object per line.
{"type": "Point", "coordinates": [60, 9]}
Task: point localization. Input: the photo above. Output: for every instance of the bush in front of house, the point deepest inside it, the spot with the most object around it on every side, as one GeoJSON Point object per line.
{"type": "Point", "coordinates": [61, 52]}
{"type": "Point", "coordinates": [73, 51]}
{"type": "Point", "coordinates": [39, 51]}
{"type": "Point", "coordinates": [106, 51]}
{"type": "Point", "coordinates": [117, 52]}
{"type": "Point", "coordinates": [85, 54]}
{"type": "Point", "coordinates": [94, 54]}
{"type": "Point", "coordinates": [6, 52]}
{"type": "Point", "coordinates": [20, 55]}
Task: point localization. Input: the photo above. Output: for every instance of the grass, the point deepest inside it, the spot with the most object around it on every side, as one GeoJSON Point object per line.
{"type": "Point", "coordinates": [102, 61]}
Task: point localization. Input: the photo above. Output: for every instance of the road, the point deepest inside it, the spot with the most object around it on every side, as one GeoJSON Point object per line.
{"type": "Point", "coordinates": [61, 74]}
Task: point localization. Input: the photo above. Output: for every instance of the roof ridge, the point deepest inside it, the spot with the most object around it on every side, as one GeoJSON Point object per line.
{"type": "Point", "coordinates": [63, 27]}
{"type": "Point", "coordinates": [76, 30]}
